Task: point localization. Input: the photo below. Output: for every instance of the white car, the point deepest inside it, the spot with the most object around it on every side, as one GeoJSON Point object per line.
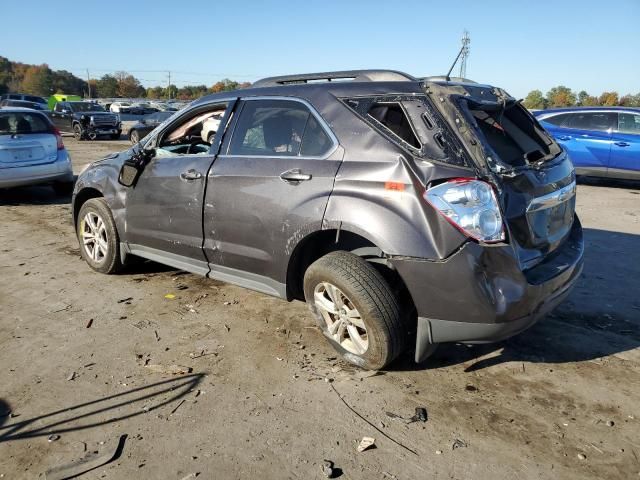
{"type": "Point", "coordinates": [210, 127]}
{"type": "Point", "coordinates": [32, 152]}
{"type": "Point", "coordinates": [120, 107]}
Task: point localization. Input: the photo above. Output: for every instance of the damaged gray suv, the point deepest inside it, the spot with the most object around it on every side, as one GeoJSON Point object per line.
{"type": "Point", "coordinates": [406, 212]}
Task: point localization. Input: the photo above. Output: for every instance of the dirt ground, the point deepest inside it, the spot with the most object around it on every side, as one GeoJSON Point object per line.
{"type": "Point", "coordinates": [83, 361]}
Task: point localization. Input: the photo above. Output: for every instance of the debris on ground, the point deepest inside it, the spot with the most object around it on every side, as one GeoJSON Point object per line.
{"type": "Point", "coordinates": [458, 443]}
{"type": "Point", "coordinates": [471, 388]}
{"type": "Point", "coordinates": [155, 332]}
{"type": "Point", "coordinates": [170, 296]}
{"type": "Point", "coordinates": [366, 443]}
{"type": "Point", "coordinates": [327, 469]}
{"type": "Point", "coordinates": [582, 456]}
{"type": "Point", "coordinates": [91, 460]}
{"type": "Point", "coordinates": [420, 416]}
{"type": "Point", "coordinates": [227, 327]}
{"type": "Point", "coordinates": [53, 438]}
{"type": "Point", "coordinates": [177, 407]}
{"type": "Point", "coordinates": [191, 476]}
{"type": "Point", "coordinates": [126, 300]}
{"type": "Point", "coordinates": [610, 423]}
{"type": "Point", "coordinates": [169, 370]}
{"type": "Point", "coordinates": [89, 323]}
{"type": "Point", "coordinates": [72, 376]}
{"type": "Point", "coordinates": [438, 452]}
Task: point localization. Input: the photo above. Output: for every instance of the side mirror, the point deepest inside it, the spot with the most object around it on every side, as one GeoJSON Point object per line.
{"type": "Point", "coordinates": [133, 167]}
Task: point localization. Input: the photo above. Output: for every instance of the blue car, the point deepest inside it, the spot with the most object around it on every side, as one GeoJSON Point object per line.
{"type": "Point", "coordinates": [601, 141]}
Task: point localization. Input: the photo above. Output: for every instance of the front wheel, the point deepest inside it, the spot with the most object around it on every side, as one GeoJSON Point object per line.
{"type": "Point", "coordinates": [77, 131]}
{"type": "Point", "coordinates": [356, 309]}
{"type": "Point", "coordinates": [134, 136]}
{"type": "Point", "coordinates": [98, 237]}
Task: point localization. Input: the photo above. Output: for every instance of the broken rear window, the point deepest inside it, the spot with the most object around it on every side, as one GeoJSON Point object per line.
{"type": "Point", "coordinates": [394, 119]}
{"type": "Point", "coordinates": [513, 135]}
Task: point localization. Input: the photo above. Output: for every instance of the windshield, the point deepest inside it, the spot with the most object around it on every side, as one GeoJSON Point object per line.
{"type": "Point", "coordinates": [86, 107]}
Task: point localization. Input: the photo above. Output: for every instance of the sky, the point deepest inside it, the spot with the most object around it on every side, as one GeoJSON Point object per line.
{"type": "Point", "coordinates": [520, 46]}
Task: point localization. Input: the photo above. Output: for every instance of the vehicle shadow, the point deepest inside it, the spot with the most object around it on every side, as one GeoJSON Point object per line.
{"type": "Point", "coordinates": [610, 182]}
{"type": "Point", "coordinates": [601, 317]}
{"type": "Point", "coordinates": [99, 412]}
{"type": "Point", "coordinates": [32, 195]}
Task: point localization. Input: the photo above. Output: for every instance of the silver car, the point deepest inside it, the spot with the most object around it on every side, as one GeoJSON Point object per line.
{"type": "Point", "coordinates": [32, 151]}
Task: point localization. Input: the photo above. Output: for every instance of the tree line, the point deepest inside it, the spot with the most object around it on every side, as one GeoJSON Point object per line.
{"type": "Point", "coordinates": [41, 80]}
{"type": "Point", "coordinates": [562, 96]}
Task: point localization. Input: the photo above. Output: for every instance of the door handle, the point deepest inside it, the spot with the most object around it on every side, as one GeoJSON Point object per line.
{"type": "Point", "coordinates": [621, 144]}
{"type": "Point", "coordinates": [564, 137]}
{"type": "Point", "coordinates": [190, 175]}
{"type": "Point", "coordinates": [295, 175]}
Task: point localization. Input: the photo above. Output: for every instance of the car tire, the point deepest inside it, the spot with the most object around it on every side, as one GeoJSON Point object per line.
{"type": "Point", "coordinates": [63, 189]}
{"type": "Point", "coordinates": [96, 222]}
{"type": "Point", "coordinates": [134, 136]}
{"type": "Point", "coordinates": [78, 134]}
{"type": "Point", "coordinates": [366, 326]}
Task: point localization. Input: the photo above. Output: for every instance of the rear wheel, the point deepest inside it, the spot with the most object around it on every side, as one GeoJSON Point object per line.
{"type": "Point", "coordinates": [356, 309]}
{"type": "Point", "coordinates": [134, 136]}
{"type": "Point", "coordinates": [98, 237]}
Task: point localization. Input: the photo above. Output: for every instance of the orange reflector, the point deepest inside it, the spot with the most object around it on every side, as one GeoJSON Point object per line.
{"type": "Point", "coordinates": [397, 186]}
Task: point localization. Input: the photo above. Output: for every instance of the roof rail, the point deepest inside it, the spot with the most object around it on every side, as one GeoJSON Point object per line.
{"type": "Point", "coordinates": [353, 75]}
{"type": "Point", "coordinates": [438, 78]}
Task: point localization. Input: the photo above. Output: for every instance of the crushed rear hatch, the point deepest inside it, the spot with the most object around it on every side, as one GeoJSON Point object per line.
{"type": "Point", "coordinates": [533, 176]}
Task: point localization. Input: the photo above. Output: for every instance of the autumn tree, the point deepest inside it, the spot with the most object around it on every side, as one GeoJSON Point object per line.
{"type": "Point", "coordinates": [37, 80]}
{"type": "Point", "coordinates": [609, 99]}
{"type": "Point", "coordinates": [535, 100]}
{"type": "Point", "coordinates": [128, 85]}
{"type": "Point", "coordinates": [561, 96]}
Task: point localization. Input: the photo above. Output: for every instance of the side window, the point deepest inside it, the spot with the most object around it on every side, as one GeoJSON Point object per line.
{"type": "Point", "coordinates": [392, 116]}
{"type": "Point", "coordinates": [557, 120]}
{"type": "Point", "coordinates": [58, 108]}
{"type": "Point", "coordinates": [598, 121]}
{"type": "Point", "coordinates": [315, 141]}
{"type": "Point", "coordinates": [629, 123]}
{"type": "Point", "coordinates": [186, 136]}
{"type": "Point", "coordinates": [270, 128]}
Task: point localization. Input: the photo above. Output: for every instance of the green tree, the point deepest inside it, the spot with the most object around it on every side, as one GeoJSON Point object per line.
{"type": "Point", "coordinates": [561, 96]}
{"type": "Point", "coordinates": [630, 100]}
{"type": "Point", "coordinates": [170, 92]}
{"type": "Point", "coordinates": [37, 80]}
{"type": "Point", "coordinates": [590, 101]}
{"type": "Point", "coordinates": [107, 86]}
{"type": "Point", "coordinates": [535, 100]}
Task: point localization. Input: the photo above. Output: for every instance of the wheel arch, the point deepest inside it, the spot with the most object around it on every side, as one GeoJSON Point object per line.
{"type": "Point", "coordinates": [81, 198]}
{"type": "Point", "coordinates": [322, 242]}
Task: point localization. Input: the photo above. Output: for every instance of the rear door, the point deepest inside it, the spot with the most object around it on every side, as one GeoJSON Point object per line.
{"type": "Point", "coordinates": [625, 150]}
{"type": "Point", "coordinates": [61, 117]}
{"type": "Point", "coordinates": [268, 189]}
{"type": "Point", "coordinates": [587, 138]}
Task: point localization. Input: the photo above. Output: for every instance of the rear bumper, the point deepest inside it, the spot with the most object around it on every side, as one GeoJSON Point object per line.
{"type": "Point", "coordinates": [480, 294]}
{"type": "Point", "coordinates": [58, 171]}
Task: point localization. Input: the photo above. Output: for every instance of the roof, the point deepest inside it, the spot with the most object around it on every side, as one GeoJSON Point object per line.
{"type": "Point", "coordinates": [591, 109]}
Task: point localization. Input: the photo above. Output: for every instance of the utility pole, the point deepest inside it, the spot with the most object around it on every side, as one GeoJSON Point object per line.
{"type": "Point", "coordinates": [169, 87]}
{"type": "Point", "coordinates": [466, 41]}
{"type": "Point", "coordinates": [88, 84]}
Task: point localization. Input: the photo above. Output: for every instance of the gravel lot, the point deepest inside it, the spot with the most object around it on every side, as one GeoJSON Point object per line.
{"type": "Point", "coordinates": [84, 357]}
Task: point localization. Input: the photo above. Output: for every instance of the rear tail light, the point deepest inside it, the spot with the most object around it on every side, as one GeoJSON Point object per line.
{"type": "Point", "coordinates": [58, 135]}
{"type": "Point", "coordinates": [471, 206]}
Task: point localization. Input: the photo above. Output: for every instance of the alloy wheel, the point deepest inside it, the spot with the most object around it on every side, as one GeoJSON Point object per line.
{"type": "Point", "coordinates": [344, 323]}
{"type": "Point", "coordinates": [94, 237]}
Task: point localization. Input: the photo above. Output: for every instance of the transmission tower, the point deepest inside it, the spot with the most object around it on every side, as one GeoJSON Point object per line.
{"type": "Point", "coordinates": [466, 41]}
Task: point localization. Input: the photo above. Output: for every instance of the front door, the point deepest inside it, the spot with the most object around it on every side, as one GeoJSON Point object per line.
{"type": "Point", "coordinates": [267, 189]}
{"type": "Point", "coordinates": [164, 208]}
{"type": "Point", "coordinates": [625, 151]}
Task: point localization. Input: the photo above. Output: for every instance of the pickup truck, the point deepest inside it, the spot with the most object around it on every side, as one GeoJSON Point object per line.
{"type": "Point", "coordinates": [86, 120]}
